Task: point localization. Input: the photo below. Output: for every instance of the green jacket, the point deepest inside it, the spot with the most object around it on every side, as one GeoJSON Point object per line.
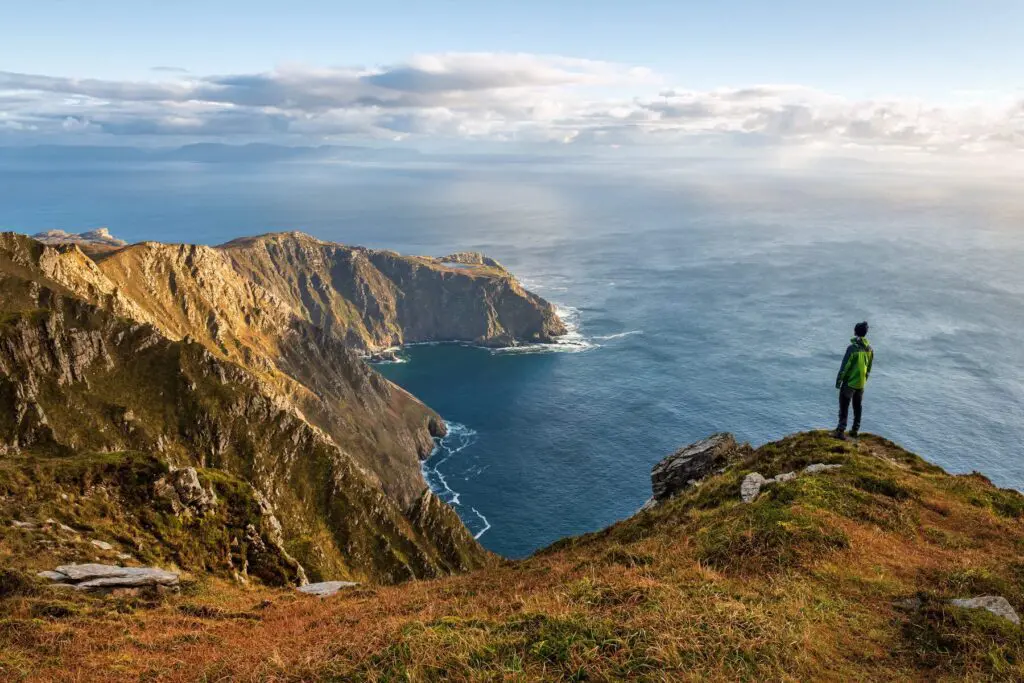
{"type": "Point", "coordinates": [856, 365]}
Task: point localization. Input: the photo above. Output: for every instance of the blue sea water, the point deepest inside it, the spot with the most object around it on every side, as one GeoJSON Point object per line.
{"type": "Point", "coordinates": [702, 300]}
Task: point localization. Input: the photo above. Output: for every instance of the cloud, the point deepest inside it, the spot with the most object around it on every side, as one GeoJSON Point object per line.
{"type": "Point", "coordinates": [497, 97]}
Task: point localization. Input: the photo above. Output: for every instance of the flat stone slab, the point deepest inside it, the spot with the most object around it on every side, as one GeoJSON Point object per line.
{"type": "Point", "coordinates": [105, 576]}
{"type": "Point", "coordinates": [325, 588]}
{"type": "Point", "coordinates": [53, 576]}
{"type": "Point", "coordinates": [996, 604]}
{"type": "Point", "coordinates": [155, 578]}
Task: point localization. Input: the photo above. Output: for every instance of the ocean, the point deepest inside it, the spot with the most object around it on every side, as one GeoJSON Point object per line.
{"type": "Point", "coordinates": [701, 300]}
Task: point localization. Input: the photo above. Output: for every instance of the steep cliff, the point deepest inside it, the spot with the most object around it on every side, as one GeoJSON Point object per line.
{"type": "Point", "coordinates": [167, 350]}
{"type": "Point", "coordinates": [377, 299]}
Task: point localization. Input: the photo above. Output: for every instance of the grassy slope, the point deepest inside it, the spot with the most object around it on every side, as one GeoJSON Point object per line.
{"type": "Point", "coordinates": [804, 583]}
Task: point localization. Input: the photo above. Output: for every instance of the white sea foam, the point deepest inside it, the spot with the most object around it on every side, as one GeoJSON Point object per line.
{"type": "Point", "coordinates": [458, 438]}
{"type": "Point", "coordinates": [487, 525]}
{"type": "Point", "coordinates": [397, 361]}
{"type": "Point", "coordinates": [620, 335]}
{"type": "Point", "coordinates": [572, 341]}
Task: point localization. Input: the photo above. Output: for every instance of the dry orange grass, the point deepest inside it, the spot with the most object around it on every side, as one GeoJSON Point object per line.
{"type": "Point", "coordinates": [815, 595]}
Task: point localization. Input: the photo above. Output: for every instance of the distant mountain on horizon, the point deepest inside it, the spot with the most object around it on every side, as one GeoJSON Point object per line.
{"type": "Point", "coordinates": [201, 152]}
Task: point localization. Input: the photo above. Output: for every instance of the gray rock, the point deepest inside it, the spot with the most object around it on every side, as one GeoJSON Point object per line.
{"type": "Point", "coordinates": [754, 482]}
{"type": "Point", "coordinates": [325, 588]}
{"type": "Point", "coordinates": [22, 525]}
{"type": "Point", "coordinates": [909, 604]}
{"type": "Point", "coordinates": [751, 486]}
{"type": "Point", "coordinates": [996, 604]}
{"type": "Point", "coordinates": [102, 545]}
{"type": "Point", "coordinates": [154, 577]}
{"type": "Point", "coordinates": [692, 463]}
{"type": "Point", "coordinates": [105, 576]}
{"type": "Point", "coordinates": [85, 572]}
{"type": "Point", "coordinates": [63, 527]}
{"type": "Point", "coordinates": [820, 467]}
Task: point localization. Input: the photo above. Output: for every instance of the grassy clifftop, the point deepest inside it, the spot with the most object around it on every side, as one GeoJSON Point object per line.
{"type": "Point", "coordinates": [844, 574]}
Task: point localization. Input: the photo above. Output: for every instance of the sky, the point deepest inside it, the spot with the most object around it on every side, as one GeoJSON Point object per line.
{"type": "Point", "coordinates": [932, 77]}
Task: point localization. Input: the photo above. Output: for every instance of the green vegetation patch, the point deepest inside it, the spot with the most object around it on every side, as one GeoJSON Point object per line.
{"type": "Point", "coordinates": [971, 643]}
{"type": "Point", "coordinates": [626, 557]}
{"type": "Point", "coordinates": [591, 593]}
{"type": "Point", "coordinates": [553, 647]}
{"type": "Point", "coordinates": [766, 536]}
{"type": "Point", "coordinates": [978, 491]}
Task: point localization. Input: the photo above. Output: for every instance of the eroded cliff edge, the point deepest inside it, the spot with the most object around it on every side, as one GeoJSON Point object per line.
{"type": "Point", "coordinates": [241, 362]}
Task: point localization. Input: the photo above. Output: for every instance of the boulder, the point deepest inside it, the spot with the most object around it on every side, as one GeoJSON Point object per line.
{"type": "Point", "coordinates": [996, 604]}
{"type": "Point", "coordinates": [690, 464]}
{"type": "Point", "coordinates": [325, 588]}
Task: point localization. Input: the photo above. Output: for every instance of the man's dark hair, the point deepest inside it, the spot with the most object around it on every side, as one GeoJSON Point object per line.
{"type": "Point", "coordinates": [861, 329]}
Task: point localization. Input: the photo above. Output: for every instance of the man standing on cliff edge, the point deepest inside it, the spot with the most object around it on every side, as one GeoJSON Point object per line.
{"type": "Point", "coordinates": [852, 377]}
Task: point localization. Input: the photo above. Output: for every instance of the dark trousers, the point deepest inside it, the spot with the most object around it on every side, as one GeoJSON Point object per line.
{"type": "Point", "coordinates": [846, 396]}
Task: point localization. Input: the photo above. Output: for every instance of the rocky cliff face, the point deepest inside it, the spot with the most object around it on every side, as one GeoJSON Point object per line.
{"type": "Point", "coordinates": [241, 362]}
{"type": "Point", "coordinates": [376, 299]}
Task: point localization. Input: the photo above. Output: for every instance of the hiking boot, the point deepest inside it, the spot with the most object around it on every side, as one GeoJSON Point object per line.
{"type": "Point", "coordinates": [854, 434]}
{"type": "Point", "coordinates": [839, 435]}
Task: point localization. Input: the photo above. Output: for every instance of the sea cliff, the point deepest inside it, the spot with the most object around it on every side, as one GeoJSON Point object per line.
{"type": "Point", "coordinates": [243, 363]}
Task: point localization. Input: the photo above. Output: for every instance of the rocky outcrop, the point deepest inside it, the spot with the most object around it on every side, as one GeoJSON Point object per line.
{"type": "Point", "coordinates": [470, 258]}
{"type": "Point", "coordinates": [182, 490]}
{"type": "Point", "coordinates": [690, 464]}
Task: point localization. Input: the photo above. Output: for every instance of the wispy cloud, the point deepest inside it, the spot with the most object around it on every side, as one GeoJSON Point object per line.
{"type": "Point", "coordinates": [501, 97]}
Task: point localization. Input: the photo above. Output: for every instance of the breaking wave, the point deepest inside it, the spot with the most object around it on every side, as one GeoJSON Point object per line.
{"type": "Point", "coordinates": [459, 438]}
{"type": "Point", "coordinates": [573, 341]}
